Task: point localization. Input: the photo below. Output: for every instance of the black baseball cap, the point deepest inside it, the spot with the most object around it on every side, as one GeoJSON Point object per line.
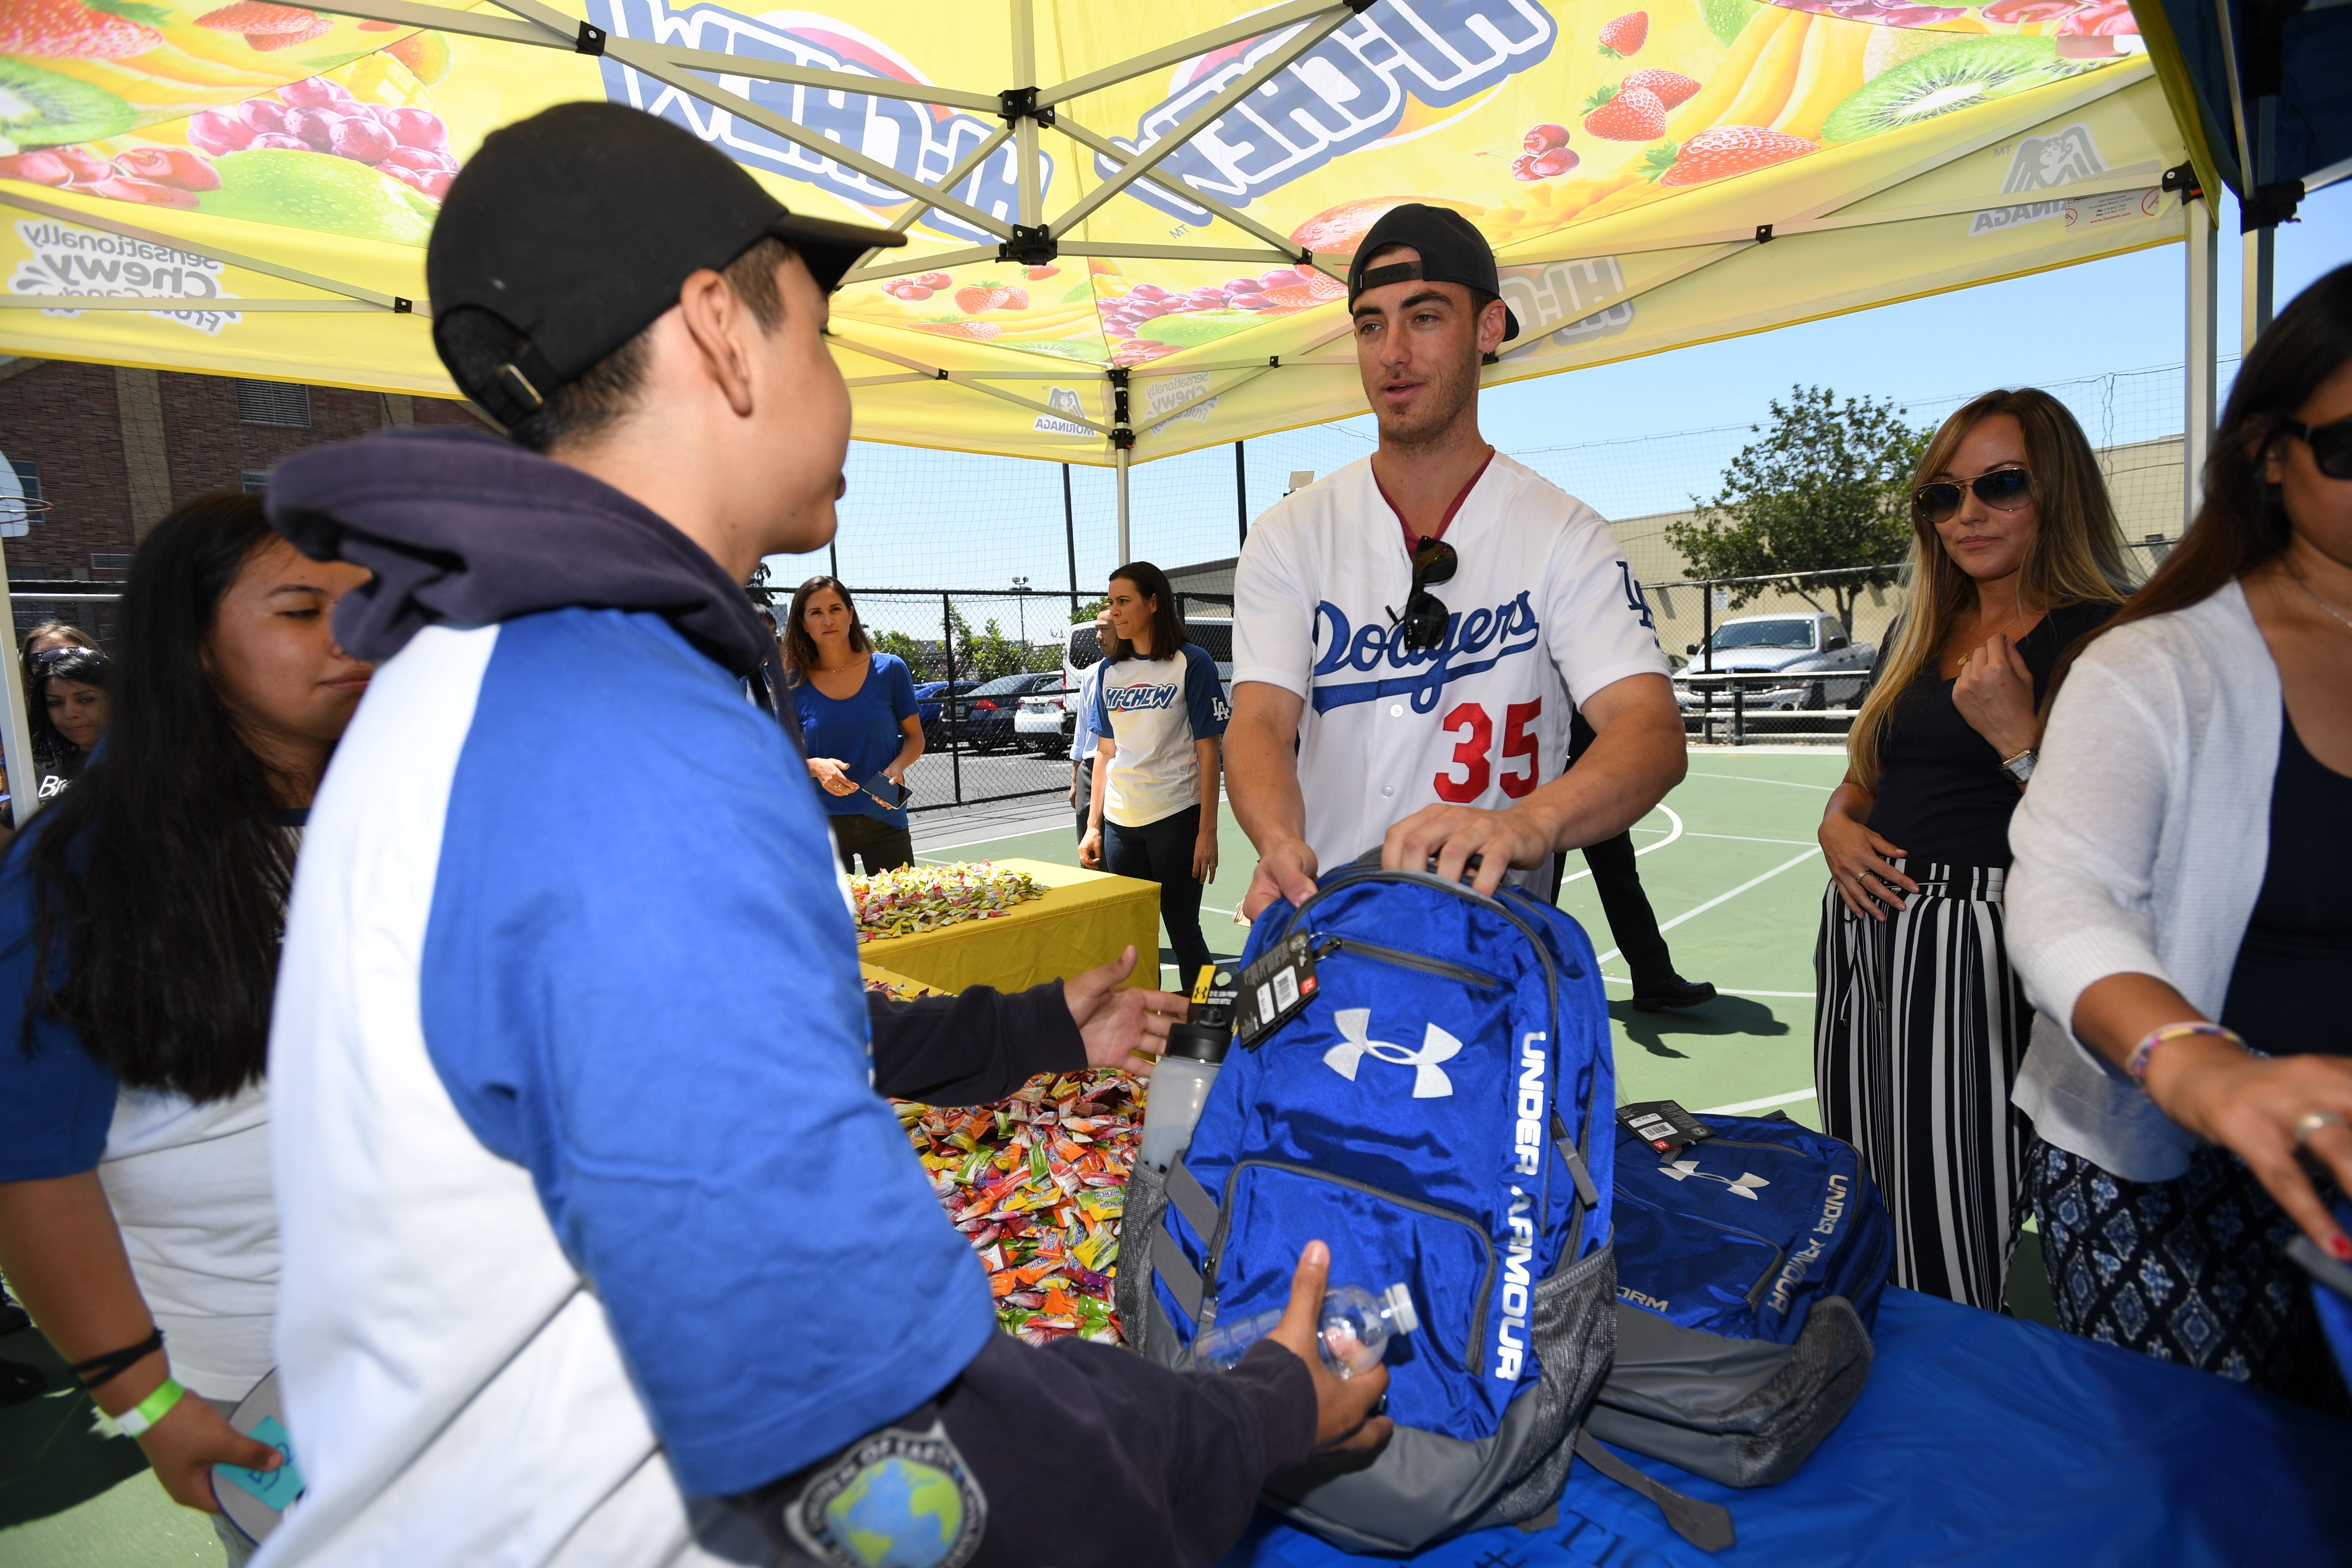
{"type": "Point", "coordinates": [574, 229]}
{"type": "Point", "coordinates": [1452, 251]}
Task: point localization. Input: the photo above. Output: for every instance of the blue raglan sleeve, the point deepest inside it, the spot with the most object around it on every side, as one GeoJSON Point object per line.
{"type": "Point", "coordinates": [56, 1102]}
{"type": "Point", "coordinates": [1098, 706]}
{"type": "Point", "coordinates": [902, 690]}
{"type": "Point", "coordinates": [1204, 697]}
{"type": "Point", "coordinates": [651, 1002]}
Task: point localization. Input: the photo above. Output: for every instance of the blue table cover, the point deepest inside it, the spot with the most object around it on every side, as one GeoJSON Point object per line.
{"type": "Point", "coordinates": [1979, 1439]}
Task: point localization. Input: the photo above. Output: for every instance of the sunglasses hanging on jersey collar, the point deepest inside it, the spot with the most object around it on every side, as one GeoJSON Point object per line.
{"type": "Point", "coordinates": [2331, 444]}
{"type": "Point", "coordinates": [2003, 489]}
{"type": "Point", "coordinates": [1423, 624]}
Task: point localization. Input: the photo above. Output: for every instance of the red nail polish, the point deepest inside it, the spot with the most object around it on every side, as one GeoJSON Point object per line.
{"type": "Point", "coordinates": [2341, 1245]}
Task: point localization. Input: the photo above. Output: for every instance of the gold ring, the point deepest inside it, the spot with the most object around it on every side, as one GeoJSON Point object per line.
{"type": "Point", "coordinates": [2311, 1122]}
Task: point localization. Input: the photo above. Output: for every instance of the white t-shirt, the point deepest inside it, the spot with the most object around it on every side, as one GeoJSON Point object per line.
{"type": "Point", "coordinates": [1153, 709]}
{"type": "Point", "coordinates": [190, 1189]}
{"type": "Point", "coordinates": [1546, 612]}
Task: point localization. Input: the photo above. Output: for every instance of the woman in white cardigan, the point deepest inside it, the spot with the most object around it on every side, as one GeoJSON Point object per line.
{"type": "Point", "coordinates": [2177, 903]}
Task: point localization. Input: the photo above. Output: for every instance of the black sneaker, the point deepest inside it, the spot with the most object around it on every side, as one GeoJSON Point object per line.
{"type": "Point", "coordinates": [1672, 992]}
{"type": "Point", "coordinates": [19, 1382]}
{"type": "Point", "coordinates": [14, 1320]}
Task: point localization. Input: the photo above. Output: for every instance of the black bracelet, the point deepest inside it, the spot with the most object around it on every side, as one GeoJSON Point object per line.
{"type": "Point", "coordinates": [98, 1369]}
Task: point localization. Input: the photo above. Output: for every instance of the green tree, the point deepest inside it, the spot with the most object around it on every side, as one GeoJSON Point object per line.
{"type": "Point", "coordinates": [1087, 612]}
{"type": "Point", "coordinates": [905, 647]}
{"type": "Point", "coordinates": [1826, 488]}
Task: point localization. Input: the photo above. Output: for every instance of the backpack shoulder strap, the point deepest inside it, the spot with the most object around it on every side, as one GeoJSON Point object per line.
{"type": "Point", "coordinates": [1191, 1199]}
{"type": "Point", "coordinates": [1706, 1525]}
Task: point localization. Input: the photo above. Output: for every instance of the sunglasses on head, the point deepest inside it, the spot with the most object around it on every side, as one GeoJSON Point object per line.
{"type": "Point", "coordinates": [2331, 444]}
{"type": "Point", "coordinates": [2003, 489]}
{"type": "Point", "coordinates": [1425, 615]}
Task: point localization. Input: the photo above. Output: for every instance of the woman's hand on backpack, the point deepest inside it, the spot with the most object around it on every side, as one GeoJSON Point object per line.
{"type": "Point", "coordinates": [1344, 1422]}
{"type": "Point", "coordinates": [190, 1439]}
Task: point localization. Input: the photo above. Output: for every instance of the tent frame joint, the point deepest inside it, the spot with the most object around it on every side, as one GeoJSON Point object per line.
{"type": "Point", "coordinates": [1763, 234]}
{"type": "Point", "coordinates": [1122, 435]}
{"type": "Point", "coordinates": [2270, 205]}
{"type": "Point", "coordinates": [1031, 245]}
{"type": "Point", "coordinates": [401, 307]}
{"type": "Point", "coordinates": [590, 41]}
{"type": "Point", "coordinates": [2183, 177]}
{"type": "Point", "coordinates": [1015, 105]}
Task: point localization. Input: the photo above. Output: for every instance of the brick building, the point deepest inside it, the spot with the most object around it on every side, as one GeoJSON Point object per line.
{"type": "Point", "coordinates": [105, 451]}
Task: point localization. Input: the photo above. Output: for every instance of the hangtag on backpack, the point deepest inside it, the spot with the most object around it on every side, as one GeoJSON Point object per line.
{"type": "Point", "coordinates": [1275, 989]}
{"type": "Point", "coordinates": [1663, 1125]}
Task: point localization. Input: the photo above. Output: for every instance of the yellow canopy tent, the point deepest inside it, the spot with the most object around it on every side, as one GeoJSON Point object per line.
{"type": "Point", "coordinates": [1129, 222]}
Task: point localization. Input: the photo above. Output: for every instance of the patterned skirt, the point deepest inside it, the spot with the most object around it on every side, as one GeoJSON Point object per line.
{"type": "Point", "coordinates": [1918, 1038]}
{"type": "Point", "coordinates": [2192, 1270]}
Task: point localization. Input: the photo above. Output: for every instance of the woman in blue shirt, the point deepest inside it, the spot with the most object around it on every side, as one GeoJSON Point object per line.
{"type": "Point", "coordinates": [858, 724]}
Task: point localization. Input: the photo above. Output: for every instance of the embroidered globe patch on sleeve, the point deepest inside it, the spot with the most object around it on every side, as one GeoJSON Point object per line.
{"type": "Point", "coordinates": [897, 1499]}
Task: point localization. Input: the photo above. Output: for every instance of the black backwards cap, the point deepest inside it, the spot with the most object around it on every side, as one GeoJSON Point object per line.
{"type": "Point", "coordinates": [576, 227]}
{"type": "Point", "coordinates": [1452, 251]}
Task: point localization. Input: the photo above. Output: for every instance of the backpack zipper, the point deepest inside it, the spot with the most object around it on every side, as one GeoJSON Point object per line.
{"type": "Point", "coordinates": [1485, 1281]}
{"type": "Point", "coordinates": [1327, 945]}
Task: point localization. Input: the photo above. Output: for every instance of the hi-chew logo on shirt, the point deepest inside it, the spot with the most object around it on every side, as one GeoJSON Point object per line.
{"type": "Point", "coordinates": [69, 259]}
{"type": "Point", "coordinates": [1345, 93]}
{"type": "Point", "coordinates": [920, 139]}
{"type": "Point", "coordinates": [1139, 699]}
{"type": "Point", "coordinates": [1475, 642]}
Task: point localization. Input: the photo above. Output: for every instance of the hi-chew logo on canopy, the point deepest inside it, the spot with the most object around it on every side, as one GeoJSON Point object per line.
{"type": "Point", "coordinates": [922, 141]}
{"type": "Point", "coordinates": [1345, 93]}
{"type": "Point", "coordinates": [69, 259]}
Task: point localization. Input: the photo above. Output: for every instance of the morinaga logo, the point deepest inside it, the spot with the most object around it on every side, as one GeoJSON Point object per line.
{"type": "Point", "coordinates": [1345, 93]}
{"type": "Point", "coordinates": [920, 139]}
{"type": "Point", "coordinates": [1519, 1249]}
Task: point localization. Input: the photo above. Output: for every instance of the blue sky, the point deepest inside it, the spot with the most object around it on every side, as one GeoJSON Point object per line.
{"type": "Point", "coordinates": [938, 520]}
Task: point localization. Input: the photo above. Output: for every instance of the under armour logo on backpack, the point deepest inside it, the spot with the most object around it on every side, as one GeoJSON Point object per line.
{"type": "Point", "coordinates": [1744, 1187]}
{"type": "Point", "coordinates": [1429, 1079]}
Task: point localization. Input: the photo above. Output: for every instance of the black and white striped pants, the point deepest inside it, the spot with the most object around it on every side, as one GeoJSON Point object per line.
{"type": "Point", "coordinates": [1919, 1029]}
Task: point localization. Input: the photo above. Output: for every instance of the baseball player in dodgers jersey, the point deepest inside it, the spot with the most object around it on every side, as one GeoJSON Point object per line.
{"type": "Point", "coordinates": [1420, 743]}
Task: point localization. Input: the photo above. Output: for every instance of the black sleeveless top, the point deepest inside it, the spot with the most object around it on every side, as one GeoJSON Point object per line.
{"type": "Point", "coordinates": [1941, 795]}
{"type": "Point", "coordinates": [2285, 994]}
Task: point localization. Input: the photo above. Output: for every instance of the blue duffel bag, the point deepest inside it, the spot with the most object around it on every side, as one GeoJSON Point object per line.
{"type": "Point", "coordinates": [1750, 1267]}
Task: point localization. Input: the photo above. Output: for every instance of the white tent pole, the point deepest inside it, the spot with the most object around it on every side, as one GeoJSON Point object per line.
{"type": "Point", "coordinates": [2197, 415]}
{"type": "Point", "coordinates": [1024, 73]}
{"type": "Point", "coordinates": [15, 734]}
{"type": "Point", "coordinates": [1126, 550]}
{"type": "Point", "coordinates": [2262, 268]}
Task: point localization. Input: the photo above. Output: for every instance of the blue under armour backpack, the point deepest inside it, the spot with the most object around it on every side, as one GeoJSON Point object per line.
{"type": "Point", "coordinates": [1439, 1113]}
{"type": "Point", "coordinates": [1749, 1267]}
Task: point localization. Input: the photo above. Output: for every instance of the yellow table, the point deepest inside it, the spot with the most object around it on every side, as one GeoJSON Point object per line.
{"type": "Point", "coordinates": [1084, 919]}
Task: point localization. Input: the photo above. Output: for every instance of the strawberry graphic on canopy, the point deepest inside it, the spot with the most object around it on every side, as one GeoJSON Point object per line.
{"type": "Point", "coordinates": [1626, 35]}
{"type": "Point", "coordinates": [67, 29]}
{"type": "Point", "coordinates": [1625, 114]}
{"type": "Point", "coordinates": [267, 27]}
{"type": "Point", "coordinates": [1672, 88]}
{"type": "Point", "coordinates": [1725, 151]}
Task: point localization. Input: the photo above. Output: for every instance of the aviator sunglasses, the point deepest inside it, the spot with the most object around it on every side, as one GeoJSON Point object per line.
{"type": "Point", "coordinates": [2003, 489]}
{"type": "Point", "coordinates": [2331, 444]}
{"type": "Point", "coordinates": [1425, 615]}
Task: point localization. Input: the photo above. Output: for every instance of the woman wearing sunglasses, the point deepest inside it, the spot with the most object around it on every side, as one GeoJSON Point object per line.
{"type": "Point", "coordinates": [2178, 901]}
{"type": "Point", "coordinates": [1921, 1025]}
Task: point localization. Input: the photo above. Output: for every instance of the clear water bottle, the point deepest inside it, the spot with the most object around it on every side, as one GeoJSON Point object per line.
{"type": "Point", "coordinates": [1357, 1326]}
{"type": "Point", "coordinates": [1179, 1083]}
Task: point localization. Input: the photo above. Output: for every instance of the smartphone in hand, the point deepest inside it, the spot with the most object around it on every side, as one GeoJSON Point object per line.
{"type": "Point", "coordinates": [893, 795]}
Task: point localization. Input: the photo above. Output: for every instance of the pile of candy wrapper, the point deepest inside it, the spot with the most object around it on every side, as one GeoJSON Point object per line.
{"type": "Point", "coordinates": [1037, 1183]}
{"type": "Point", "coordinates": [917, 899]}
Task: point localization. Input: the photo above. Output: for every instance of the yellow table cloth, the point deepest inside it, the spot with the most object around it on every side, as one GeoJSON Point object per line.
{"type": "Point", "coordinates": [1085, 919]}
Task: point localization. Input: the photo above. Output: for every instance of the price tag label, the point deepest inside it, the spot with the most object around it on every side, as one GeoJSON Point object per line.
{"type": "Point", "coordinates": [1275, 989]}
{"type": "Point", "coordinates": [1663, 1124]}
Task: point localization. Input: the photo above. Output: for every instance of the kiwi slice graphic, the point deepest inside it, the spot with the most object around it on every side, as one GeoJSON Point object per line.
{"type": "Point", "coordinates": [1972, 71]}
{"type": "Point", "coordinates": [42, 108]}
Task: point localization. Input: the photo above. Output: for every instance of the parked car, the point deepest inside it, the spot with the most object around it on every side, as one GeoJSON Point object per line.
{"type": "Point", "coordinates": [986, 715]}
{"type": "Point", "coordinates": [1048, 719]}
{"type": "Point", "coordinates": [930, 698]}
{"type": "Point", "coordinates": [1825, 667]}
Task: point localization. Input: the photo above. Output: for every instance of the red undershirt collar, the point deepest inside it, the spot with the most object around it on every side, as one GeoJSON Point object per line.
{"type": "Point", "coordinates": [1411, 538]}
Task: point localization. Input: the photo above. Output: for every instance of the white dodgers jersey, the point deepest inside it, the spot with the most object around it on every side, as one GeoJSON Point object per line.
{"type": "Point", "coordinates": [1544, 612]}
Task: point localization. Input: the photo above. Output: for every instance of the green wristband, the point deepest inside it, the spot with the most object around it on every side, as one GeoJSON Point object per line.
{"type": "Point", "coordinates": [135, 1421]}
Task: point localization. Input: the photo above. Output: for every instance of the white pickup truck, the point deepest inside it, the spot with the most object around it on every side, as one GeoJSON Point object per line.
{"type": "Point", "coordinates": [1826, 668]}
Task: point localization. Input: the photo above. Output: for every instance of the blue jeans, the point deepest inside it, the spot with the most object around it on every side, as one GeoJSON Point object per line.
{"type": "Point", "coordinates": [1161, 852]}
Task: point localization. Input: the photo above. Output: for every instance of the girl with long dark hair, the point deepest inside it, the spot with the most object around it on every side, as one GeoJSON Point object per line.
{"type": "Point", "coordinates": [70, 708]}
{"type": "Point", "coordinates": [2178, 909]}
{"type": "Point", "coordinates": [1921, 1023]}
{"type": "Point", "coordinates": [1160, 709]}
{"type": "Point", "coordinates": [139, 919]}
{"type": "Point", "coordinates": [860, 724]}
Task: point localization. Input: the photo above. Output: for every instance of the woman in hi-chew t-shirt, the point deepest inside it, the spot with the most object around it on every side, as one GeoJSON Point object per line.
{"type": "Point", "coordinates": [860, 724]}
{"type": "Point", "coordinates": [1160, 709]}
{"type": "Point", "coordinates": [140, 922]}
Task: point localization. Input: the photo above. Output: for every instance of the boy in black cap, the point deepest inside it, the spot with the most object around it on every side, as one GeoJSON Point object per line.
{"type": "Point", "coordinates": [593, 1217]}
{"type": "Point", "coordinates": [1413, 632]}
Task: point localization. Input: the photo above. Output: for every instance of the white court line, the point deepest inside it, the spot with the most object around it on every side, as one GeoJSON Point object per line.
{"type": "Point", "coordinates": [1747, 778]}
{"type": "Point", "coordinates": [1746, 838]}
{"type": "Point", "coordinates": [1722, 898]}
{"type": "Point", "coordinates": [1726, 990]}
{"type": "Point", "coordinates": [1645, 849]}
{"type": "Point", "coordinates": [1767, 1103]}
